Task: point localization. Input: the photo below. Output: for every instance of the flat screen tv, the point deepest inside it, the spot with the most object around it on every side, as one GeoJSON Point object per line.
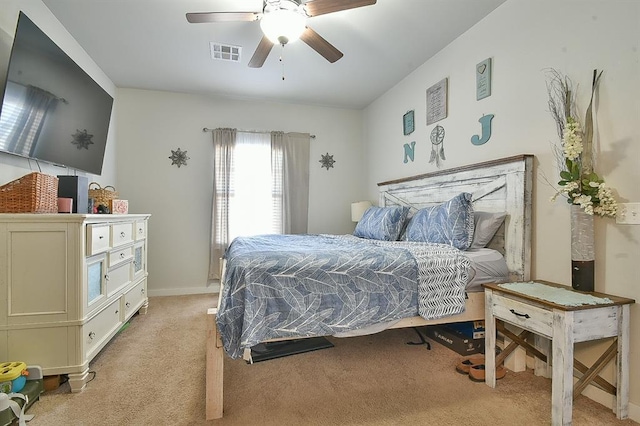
{"type": "Point", "coordinates": [52, 110]}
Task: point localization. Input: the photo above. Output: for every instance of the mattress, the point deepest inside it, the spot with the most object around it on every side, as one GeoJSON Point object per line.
{"type": "Point", "coordinates": [487, 266]}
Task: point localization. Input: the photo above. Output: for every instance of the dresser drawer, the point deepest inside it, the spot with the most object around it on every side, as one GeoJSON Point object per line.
{"type": "Point", "coordinates": [97, 239]}
{"type": "Point", "coordinates": [119, 256]}
{"type": "Point", "coordinates": [140, 230]}
{"type": "Point", "coordinates": [97, 330]}
{"type": "Point", "coordinates": [118, 277]}
{"type": "Point", "coordinates": [523, 315]}
{"type": "Point", "coordinates": [133, 298]}
{"type": "Point", "coordinates": [121, 234]}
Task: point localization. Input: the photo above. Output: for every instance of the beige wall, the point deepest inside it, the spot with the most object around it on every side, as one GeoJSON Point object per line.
{"type": "Point", "coordinates": [152, 123]}
{"type": "Point", "coordinates": [523, 38]}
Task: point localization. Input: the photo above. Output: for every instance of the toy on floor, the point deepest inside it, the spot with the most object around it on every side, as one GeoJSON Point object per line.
{"type": "Point", "coordinates": [13, 376]}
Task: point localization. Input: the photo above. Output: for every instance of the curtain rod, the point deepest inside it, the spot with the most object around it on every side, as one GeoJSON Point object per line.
{"type": "Point", "coordinates": [206, 129]}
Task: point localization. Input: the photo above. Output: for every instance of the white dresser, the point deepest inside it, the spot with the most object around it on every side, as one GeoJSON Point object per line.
{"type": "Point", "coordinates": [68, 283]}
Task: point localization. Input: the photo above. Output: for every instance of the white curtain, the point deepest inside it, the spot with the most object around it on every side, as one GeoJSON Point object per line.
{"type": "Point", "coordinates": [261, 186]}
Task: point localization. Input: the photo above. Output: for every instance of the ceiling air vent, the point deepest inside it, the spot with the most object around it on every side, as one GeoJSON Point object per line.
{"type": "Point", "coordinates": [225, 52]}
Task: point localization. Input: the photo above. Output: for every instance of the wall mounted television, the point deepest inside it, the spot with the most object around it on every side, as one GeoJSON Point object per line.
{"type": "Point", "coordinates": [52, 110]}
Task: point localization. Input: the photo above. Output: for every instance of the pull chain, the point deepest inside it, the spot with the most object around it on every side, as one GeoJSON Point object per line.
{"type": "Point", "coordinates": [282, 60]}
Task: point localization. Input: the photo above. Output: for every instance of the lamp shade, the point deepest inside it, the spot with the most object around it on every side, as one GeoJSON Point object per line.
{"type": "Point", "coordinates": [283, 26]}
{"type": "Point", "coordinates": [358, 209]}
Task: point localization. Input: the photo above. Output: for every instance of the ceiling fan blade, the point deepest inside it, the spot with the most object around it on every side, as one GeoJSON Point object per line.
{"type": "Point", "coordinates": [321, 7]}
{"type": "Point", "coordinates": [200, 17]}
{"type": "Point", "coordinates": [261, 53]}
{"type": "Point", "coordinates": [320, 45]}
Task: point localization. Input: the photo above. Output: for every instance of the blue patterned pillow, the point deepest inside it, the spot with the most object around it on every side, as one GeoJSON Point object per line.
{"type": "Point", "coordinates": [447, 223]}
{"type": "Point", "coordinates": [381, 223]}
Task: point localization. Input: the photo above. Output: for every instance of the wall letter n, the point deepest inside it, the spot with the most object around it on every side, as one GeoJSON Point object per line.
{"type": "Point", "coordinates": [409, 151]}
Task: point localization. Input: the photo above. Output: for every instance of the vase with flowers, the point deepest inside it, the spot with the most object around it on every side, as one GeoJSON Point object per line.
{"type": "Point", "coordinates": [579, 184]}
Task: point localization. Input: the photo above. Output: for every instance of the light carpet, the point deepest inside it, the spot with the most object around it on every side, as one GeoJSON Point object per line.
{"type": "Point", "coordinates": [153, 373]}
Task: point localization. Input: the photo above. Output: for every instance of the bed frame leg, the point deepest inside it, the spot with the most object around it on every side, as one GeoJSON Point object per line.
{"type": "Point", "coordinates": [214, 368]}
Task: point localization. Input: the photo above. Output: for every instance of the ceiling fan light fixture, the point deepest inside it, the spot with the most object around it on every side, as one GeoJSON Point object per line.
{"type": "Point", "coordinates": [283, 26]}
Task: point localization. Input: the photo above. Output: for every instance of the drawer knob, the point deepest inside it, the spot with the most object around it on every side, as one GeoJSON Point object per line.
{"type": "Point", "coordinates": [140, 230]}
{"type": "Point", "coordinates": [101, 237]}
{"type": "Point", "coordinates": [117, 311]}
{"type": "Point", "coordinates": [513, 311]}
{"type": "Point", "coordinates": [142, 290]}
{"type": "Point", "coordinates": [121, 255]}
{"type": "Point", "coordinates": [128, 304]}
{"type": "Point", "coordinates": [122, 234]}
{"type": "Point", "coordinates": [106, 277]}
{"type": "Point", "coordinates": [92, 335]}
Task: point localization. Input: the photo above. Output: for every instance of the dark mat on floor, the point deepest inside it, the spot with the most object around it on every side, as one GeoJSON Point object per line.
{"type": "Point", "coordinates": [271, 350]}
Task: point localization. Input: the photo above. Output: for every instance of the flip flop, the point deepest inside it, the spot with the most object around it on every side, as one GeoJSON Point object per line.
{"type": "Point", "coordinates": [463, 366]}
{"type": "Point", "coordinates": [476, 372]}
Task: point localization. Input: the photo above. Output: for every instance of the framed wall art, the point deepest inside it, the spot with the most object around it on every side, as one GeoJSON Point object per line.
{"type": "Point", "coordinates": [437, 101]}
{"type": "Point", "coordinates": [483, 79]}
{"type": "Point", "coordinates": [408, 123]}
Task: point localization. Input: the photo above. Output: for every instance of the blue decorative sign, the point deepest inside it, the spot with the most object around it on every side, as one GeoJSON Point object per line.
{"type": "Point", "coordinates": [485, 121]}
{"type": "Point", "coordinates": [409, 151]}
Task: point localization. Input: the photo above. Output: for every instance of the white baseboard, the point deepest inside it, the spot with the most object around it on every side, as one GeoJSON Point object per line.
{"type": "Point", "coordinates": [212, 287]}
{"type": "Point", "coordinates": [609, 401]}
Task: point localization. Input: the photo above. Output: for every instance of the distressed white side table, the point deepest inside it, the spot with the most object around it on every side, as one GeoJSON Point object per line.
{"type": "Point", "coordinates": [564, 325]}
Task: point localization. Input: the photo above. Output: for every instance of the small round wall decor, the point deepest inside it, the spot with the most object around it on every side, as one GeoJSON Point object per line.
{"type": "Point", "coordinates": [327, 161]}
{"type": "Point", "coordinates": [178, 157]}
{"type": "Point", "coordinates": [437, 145]}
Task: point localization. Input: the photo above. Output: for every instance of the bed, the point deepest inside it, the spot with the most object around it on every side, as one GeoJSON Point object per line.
{"type": "Point", "coordinates": [502, 186]}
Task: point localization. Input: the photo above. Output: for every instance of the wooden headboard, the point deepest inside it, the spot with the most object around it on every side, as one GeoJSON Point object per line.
{"type": "Point", "coordinates": [503, 185]}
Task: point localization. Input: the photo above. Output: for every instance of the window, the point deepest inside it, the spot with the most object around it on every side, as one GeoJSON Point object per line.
{"type": "Point", "coordinates": [261, 186]}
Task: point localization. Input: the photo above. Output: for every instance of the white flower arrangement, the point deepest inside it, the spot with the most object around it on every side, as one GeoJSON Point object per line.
{"type": "Point", "coordinates": [579, 184]}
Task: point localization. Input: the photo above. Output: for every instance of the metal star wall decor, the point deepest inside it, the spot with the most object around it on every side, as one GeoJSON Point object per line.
{"type": "Point", "coordinates": [327, 161]}
{"type": "Point", "coordinates": [178, 157]}
{"type": "Point", "coordinates": [82, 139]}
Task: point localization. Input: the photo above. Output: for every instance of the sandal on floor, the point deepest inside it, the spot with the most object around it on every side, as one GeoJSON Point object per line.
{"type": "Point", "coordinates": [463, 366]}
{"type": "Point", "coordinates": [476, 372]}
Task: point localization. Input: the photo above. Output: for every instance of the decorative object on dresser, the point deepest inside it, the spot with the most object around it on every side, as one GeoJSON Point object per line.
{"type": "Point", "coordinates": [77, 188]}
{"type": "Point", "coordinates": [69, 283]}
{"type": "Point", "coordinates": [32, 193]}
{"type": "Point", "coordinates": [579, 183]}
{"type": "Point", "coordinates": [119, 206]}
{"type": "Point", "coordinates": [102, 196]}
{"type": "Point", "coordinates": [560, 317]}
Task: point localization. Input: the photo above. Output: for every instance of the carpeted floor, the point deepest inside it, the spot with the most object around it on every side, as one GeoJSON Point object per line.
{"type": "Point", "coordinates": [153, 374]}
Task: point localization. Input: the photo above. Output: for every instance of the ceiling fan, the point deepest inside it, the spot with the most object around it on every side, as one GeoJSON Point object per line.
{"type": "Point", "coordinates": [284, 21]}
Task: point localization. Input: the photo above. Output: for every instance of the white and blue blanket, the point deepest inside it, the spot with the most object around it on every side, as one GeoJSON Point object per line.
{"type": "Point", "coordinates": [283, 286]}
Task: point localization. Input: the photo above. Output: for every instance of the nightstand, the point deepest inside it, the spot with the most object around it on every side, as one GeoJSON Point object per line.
{"type": "Point", "coordinates": [563, 316]}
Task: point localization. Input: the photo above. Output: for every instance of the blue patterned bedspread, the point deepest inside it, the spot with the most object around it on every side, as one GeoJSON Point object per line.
{"type": "Point", "coordinates": [280, 286]}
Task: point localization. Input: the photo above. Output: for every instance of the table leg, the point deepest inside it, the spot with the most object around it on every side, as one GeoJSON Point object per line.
{"type": "Point", "coordinates": [562, 380]}
{"type": "Point", "coordinates": [622, 368]}
{"type": "Point", "coordinates": [489, 340]}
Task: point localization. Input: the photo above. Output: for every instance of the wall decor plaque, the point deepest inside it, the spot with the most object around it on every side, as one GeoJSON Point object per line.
{"type": "Point", "coordinates": [408, 123]}
{"type": "Point", "coordinates": [483, 79]}
{"type": "Point", "coordinates": [437, 101]}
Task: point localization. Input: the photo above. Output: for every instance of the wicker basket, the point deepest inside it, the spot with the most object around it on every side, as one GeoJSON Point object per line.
{"type": "Point", "coordinates": [102, 195]}
{"type": "Point", "coordinates": [32, 193]}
